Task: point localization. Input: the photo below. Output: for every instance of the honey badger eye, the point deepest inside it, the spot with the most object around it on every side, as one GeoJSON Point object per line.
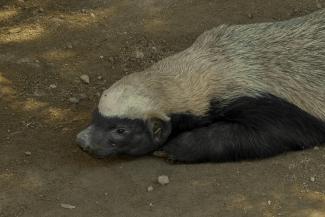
{"type": "Point", "coordinates": [120, 131]}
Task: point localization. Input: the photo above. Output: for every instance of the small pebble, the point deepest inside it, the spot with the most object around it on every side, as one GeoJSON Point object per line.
{"type": "Point", "coordinates": [14, 30]}
{"type": "Point", "coordinates": [312, 179]}
{"type": "Point", "coordinates": [99, 77]}
{"type": "Point", "coordinates": [161, 154]}
{"type": "Point", "coordinates": [23, 60]}
{"type": "Point", "coordinates": [83, 96]}
{"type": "Point", "coordinates": [250, 16]}
{"type": "Point", "coordinates": [74, 100]}
{"type": "Point", "coordinates": [92, 15]}
{"type": "Point", "coordinates": [52, 86]}
{"type": "Point", "coordinates": [318, 4]}
{"type": "Point", "coordinates": [139, 54]}
{"type": "Point", "coordinates": [67, 206]}
{"type": "Point", "coordinates": [151, 204]}
{"type": "Point", "coordinates": [39, 93]}
{"type": "Point", "coordinates": [28, 153]}
{"type": "Point", "coordinates": [316, 148]}
{"type": "Point", "coordinates": [69, 45]}
{"type": "Point", "coordinates": [163, 180]}
{"type": "Point", "coordinates": [101, 57]}
{"type": "Point", "coordinates": [269, 202]}
{"type": "Point", "coordinates": [106, 194]}
{"type": "Point", "coordinates": [85, 79]}
{"type": "Point", "coordinates": [150, 188]}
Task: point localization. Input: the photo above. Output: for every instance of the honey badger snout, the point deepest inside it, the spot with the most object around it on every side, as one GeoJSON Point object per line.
{"type": "Point", "coordinates": [83, 138]}
{"type": "Point", "coordinates": [91, 140]}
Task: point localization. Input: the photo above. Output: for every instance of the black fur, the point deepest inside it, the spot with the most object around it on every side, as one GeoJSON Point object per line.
{"type": "Point", "coordinates": [247, 128]}
{"type": "Point", "coordinates": [187, 121]}
{"type": "Point", "coordinates": [106, 139]}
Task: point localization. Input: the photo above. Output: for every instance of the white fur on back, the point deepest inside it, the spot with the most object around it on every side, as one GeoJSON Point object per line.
{"type": "Point", "coordinates": [286, 59]}
{"type": "Point", "coordinates": [123, 101]}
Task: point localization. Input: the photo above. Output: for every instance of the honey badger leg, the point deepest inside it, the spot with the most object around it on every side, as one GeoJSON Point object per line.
{"type": "Point", "coordinates": [249, 128]}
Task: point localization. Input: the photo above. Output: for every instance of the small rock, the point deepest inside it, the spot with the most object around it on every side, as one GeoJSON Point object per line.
{"type": "Point", "coordinates": [150, 188]}
{"type": "Point", "coordinates": [85, 79]}
{"type": "Point", "coordinates": [15, 30]}
{"type": "Point", "coordinates": [99, 77]}
{"type": "Point", "coordinates": [31, 62]}
{"type": "Point", "coordinates": [139, 54]}
{"type": "Point", "coordinates": [316, 148]}
{"type": "Point", "coordinates": [41, 10]}
{"type": "Point", "coordinates": [52, 86]}
{"type": "Point", "coordinates": [106, 194]}
{"type": "Point", "coordinates": [312, 179]}
{"type": "Point", "coordinates": [57, 21]}
{"type": "Point", "coordinates": [83, 96]}
{"type": "Point", "coordinates": [151, 204]}
{"type": "Point", "coordinates": [92, 15]}
{"type": "Point", "coordinates": [101, 57]}
{"type": "Point", "coordinates": [154, 48]}
{"type": "Point", "coordinates": [69, 45]}
{"type": "Point", "coordinates": [269, 202]}
{"type": "Point", "coordinates": [28, 153]}
{"type": "Point", "coordinates": [163, 180]}
{"type": "Point", "coordinates": [67, 206]}
{"type": "Point", "coordinates": [250, 16]}
{"type": "Point", "coordinates": [318, 4]}
{"type": "Point", "coordinates": [24, 60]}
{"type": "Point", "coordinates": [74, 100]}
{"type": "Point", "coordinates": [161, 154]}
{"type": "Point", "coordinates": [38, 93]}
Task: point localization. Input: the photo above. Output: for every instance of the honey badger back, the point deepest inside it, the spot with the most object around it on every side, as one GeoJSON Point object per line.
{"type": "Point", "coordinates": [242, 91]}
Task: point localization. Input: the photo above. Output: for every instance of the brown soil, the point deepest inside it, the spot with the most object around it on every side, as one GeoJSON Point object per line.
{"type": "Point", "coordinates": [45, 43]}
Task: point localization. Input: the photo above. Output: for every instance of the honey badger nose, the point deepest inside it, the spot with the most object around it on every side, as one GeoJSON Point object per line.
{"type": "Point", "coordinates": [84, 138]}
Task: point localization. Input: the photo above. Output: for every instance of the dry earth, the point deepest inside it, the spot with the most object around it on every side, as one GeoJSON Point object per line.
{"type": "Point", "coordinates": [44, 48]}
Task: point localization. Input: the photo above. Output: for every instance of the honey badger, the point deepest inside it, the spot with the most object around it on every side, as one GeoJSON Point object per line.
{"type": "Point", "coordinates": [239, 92]}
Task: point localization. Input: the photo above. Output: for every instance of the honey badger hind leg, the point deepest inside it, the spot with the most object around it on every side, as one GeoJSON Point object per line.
{"type": "Point", "coordinates": [251, 128]}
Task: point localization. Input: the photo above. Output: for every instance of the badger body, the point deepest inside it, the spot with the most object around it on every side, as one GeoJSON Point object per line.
{"type": "Point", "coordinates": [239, 92]}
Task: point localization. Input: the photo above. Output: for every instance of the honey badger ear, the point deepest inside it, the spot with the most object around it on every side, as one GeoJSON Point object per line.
{"type": "Point", "coordinates": [159, 128]}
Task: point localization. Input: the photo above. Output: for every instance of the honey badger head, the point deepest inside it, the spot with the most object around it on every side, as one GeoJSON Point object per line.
{"type": "Point", "coordinates": [126, 121]}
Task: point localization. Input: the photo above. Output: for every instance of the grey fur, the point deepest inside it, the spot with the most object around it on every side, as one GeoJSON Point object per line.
{"type": "Point", "coordinates": [286, 59]}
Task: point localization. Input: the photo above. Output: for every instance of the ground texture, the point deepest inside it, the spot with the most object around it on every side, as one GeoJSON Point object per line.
{"type": "Point", "coordinates": [45, 46]}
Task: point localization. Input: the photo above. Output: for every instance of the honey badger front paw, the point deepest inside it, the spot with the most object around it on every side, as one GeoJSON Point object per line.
{"type": "Point", "coordinates": [185, 148]}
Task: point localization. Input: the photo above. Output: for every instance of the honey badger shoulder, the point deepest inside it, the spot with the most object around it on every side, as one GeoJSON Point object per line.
{"type": "Point", "coordinates": [241, 91]}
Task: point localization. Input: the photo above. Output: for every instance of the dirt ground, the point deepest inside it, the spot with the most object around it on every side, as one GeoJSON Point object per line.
{"type": "Point", "coordinates": [45, 46]}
